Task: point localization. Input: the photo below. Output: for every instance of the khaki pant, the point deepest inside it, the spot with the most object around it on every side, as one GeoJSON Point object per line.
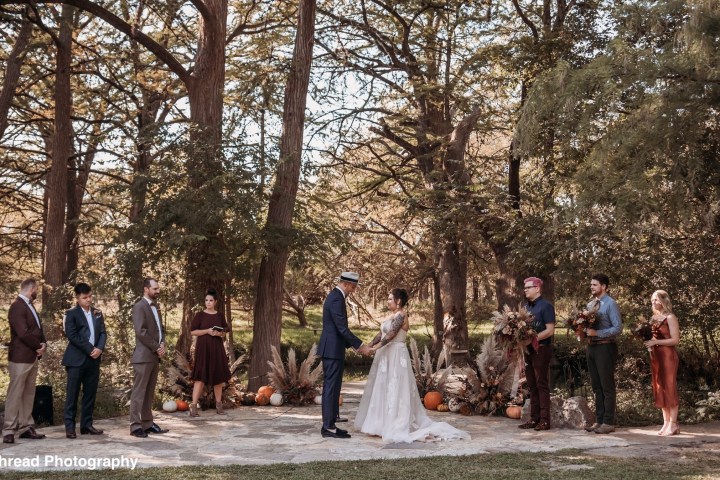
{"type": "Point", "coordinates": [20, 398]}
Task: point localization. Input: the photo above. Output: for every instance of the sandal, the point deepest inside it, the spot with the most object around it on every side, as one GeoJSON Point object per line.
{"type": "Point", "coordinates": [194, 410]}
{"type": "Point", "coordinates": [220, 410]}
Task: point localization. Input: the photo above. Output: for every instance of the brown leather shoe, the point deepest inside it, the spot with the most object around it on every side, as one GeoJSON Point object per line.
{"type": "Point", "coordinates": [528, 425]}
{"type": "Point", "coordinates": [70, 434]}
{"type": "Point", "coordinates": [9, 438]}
{"type": "Point", "coordinates": [591, 428]}
{"type": "Point", "coordinates": [32, 434]}
{"type": "Point", "coordinates": [542, 425]}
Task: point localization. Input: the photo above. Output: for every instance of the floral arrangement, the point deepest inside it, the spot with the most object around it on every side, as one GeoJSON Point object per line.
{"type": "Point", "coordinates": [643, 329]}
{"type": "Point", "coordinates": [513, 329]}
{"type": "Point", "coordinates": [423, 368]}
{"type": "Point", "coordinates": [582, 319]}
{"type": "Point", "coordinates": [481, 387]}
{"type": "Point", "coordinates": [299, 385]}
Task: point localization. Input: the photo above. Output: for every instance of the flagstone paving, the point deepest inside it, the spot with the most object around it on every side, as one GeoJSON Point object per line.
{"type": "Point", "coordinates": [267, 435]}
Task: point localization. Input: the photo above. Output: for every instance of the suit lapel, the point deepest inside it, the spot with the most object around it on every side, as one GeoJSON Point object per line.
{"type": "Point", "coordinates": [33, 313]}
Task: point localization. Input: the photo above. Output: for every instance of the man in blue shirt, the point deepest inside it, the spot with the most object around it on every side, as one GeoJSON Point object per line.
{"type": "Point", "coordinates": [537, 361]}
{"type": "Point", "coordinates": [602, 354]}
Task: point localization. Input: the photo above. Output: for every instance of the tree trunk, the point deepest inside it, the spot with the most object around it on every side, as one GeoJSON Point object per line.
{"type": "Point", "coordinates": [77, 184]}
{"type": "Point", "coordinates": [438, 317]}
{"type": "Point", "coordinates": [507, 285]}
{"type": "Point", "coordinates": [453, 284]}
{"type": "Point", "coordinates": [57, 179]}
{"type": "Point", "coordinates": [12, 72]}
{"type": "Point", "coordinates": [268, 305]}
{"type": "Point", "coordinates": [228, 318]}
{"type": "Point", "coordinates": [206, 263]}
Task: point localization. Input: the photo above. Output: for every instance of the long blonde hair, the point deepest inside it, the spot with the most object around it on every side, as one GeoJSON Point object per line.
{"type": "Point", "coordinates": [664, 298]}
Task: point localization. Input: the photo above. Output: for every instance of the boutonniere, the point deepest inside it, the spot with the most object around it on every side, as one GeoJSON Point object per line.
{"type": "Point", "coordinates": [97, 314]}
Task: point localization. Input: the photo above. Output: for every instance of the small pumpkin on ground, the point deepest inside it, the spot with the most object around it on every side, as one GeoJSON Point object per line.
{"type": "Point", "coordinates": [432, 400]}
{"type": "Point", "coordinates": [261, 400]}
{"type": "Point", "coordinates": [267, 390]}
{"type": "Point", "coordinates": [513, 411]}
{"type": "Point", "coordinates": [182, 405]}
{"type": "Point", "coordinates": [443, 408]}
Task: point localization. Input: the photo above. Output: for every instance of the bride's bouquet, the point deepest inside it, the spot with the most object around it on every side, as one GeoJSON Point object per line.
{"type": "Point", "coordinates": [513, 329]}
{"type": "Point", "coordinates": [582, 319]}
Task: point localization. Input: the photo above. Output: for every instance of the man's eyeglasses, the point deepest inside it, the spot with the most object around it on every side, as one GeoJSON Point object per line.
{"type": "Point", "coordinates": [531, 286]}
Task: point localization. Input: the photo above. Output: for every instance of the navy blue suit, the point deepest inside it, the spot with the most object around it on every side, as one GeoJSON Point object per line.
{"type": "Point", "coordinates": [335, 339]}
{"type": "Point", "coordinates": [82, 369]}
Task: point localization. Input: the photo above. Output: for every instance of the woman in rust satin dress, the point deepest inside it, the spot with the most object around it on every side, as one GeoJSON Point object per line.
{"type": "Point", "coordinates": [664, 360]}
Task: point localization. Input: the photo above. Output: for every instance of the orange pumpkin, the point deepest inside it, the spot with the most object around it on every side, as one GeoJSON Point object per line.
{"type": "Point", "coordinates": [513, 411]}
{"type": "Point", "coordinates": [267, 390]}
{"type": "Point", "coordinates": [182, 405]}
{"type": "Point", "coordinates": [261, 400]}
{"type": "Point", "coordinates": [432, 400]}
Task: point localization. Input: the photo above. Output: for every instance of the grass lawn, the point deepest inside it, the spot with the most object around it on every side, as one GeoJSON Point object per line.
{"type": "Point", "coordinates": [567, 464]}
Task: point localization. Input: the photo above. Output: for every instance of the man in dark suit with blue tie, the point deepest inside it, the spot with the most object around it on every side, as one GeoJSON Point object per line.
{"type": "Point", "coordinates": [85, 329]}
{"type": "Point", "coordinates": [335, 339]}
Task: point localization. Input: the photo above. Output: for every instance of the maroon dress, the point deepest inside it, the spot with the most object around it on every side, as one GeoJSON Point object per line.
{"type": "Point", "coordinates": [664, 362]}
{"type": "Point", "coordinates": [211, 363]}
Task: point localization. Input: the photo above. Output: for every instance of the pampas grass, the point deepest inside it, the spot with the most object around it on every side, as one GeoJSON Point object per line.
{"type": "Point", "coordinates": [298, 385]}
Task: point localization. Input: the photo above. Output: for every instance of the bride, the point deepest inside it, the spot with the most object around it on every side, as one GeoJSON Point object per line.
{"type": "Point", "coordinates": [390, 406]}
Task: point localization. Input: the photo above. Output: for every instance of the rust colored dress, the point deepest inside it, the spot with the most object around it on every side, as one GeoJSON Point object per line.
{"type": "Point", "coordinates": [664, 362]}
{"type": "Point", "coordinates": [211, 363]}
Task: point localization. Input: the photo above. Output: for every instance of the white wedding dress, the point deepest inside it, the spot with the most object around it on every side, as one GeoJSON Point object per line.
{"type": "Point", "coordinates": [390, 406]}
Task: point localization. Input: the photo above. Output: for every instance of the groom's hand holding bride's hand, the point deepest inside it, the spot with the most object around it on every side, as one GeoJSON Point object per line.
{"type": "Point", "coordinates": [364, 350]}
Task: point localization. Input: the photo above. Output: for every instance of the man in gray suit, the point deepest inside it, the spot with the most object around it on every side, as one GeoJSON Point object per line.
{"type": "Point", "coordinates": [149, 349]}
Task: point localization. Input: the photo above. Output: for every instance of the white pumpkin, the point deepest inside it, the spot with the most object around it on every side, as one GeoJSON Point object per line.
{"type": "Point", "coordinates": [318, 400]}
{"type": "Point", "coordinates": [170, 406]}
{"type": "Point", "coordinates": [276, 399]}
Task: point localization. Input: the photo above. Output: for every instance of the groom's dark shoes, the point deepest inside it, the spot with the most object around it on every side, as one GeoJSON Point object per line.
{"type": "Point", "coordinates": [338, 433]}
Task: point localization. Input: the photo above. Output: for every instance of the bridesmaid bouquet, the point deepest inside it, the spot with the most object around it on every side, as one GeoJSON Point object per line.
{"type": "Point", "coordinates": [643, 329]}
{"type": "Point", "coordinates": [583, 319]}
{"type": "Point", "coordinates": [513, 329]}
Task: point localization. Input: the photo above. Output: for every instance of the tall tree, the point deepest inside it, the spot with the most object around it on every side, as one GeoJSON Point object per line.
{"type": "Point", "coordinates": [278, 228]}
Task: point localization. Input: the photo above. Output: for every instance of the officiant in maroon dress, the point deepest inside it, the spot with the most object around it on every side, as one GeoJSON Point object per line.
{"type": "Point", "coordinates": [211, 363]}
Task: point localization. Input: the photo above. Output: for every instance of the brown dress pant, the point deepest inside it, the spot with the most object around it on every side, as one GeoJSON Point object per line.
{"type": "Point", "coordinates": [537, 375]}
{"type": "Point", "coordinates": [143, 393]}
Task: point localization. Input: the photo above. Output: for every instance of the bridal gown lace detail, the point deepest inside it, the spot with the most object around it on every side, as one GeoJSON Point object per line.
{"type": "Point", "coordinates": [390, 406]}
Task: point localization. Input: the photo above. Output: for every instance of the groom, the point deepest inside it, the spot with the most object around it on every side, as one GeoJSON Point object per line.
{"type": "Point", "coordinates": [335, 338]}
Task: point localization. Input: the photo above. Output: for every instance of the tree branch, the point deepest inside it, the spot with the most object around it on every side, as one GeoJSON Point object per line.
{"type": "Point", "coordinates": [93, 8]}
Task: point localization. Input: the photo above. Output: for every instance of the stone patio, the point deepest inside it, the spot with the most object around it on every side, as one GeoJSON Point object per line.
{"type": "Point", "coordinates": [267, 435]}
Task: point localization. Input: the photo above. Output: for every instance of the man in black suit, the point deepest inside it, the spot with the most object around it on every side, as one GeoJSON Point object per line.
{"type": "Point", "coordinates": [85, 329]}
{"type": "Point", "coordinates": [335, 338]}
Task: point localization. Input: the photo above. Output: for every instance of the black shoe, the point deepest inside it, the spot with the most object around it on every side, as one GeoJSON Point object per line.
{"type": "Point", "coordinates": [336, 434]}
{"type": "Point", "coordinates": [156, 429]}
{"type": "Point", "coordinates": [9, 438]}
{"type": "Point", "coordinates": [70, 434]}
{"type": "Point", "coordinates": [528, 425]}
{"type": "Point", "coordinates": [139, 432]}
{"type": "Point", "coordinates": [340, 420]}
{"type": "Point", "coordinates": [32, 434]}
{"type": "Point", "coordinates": [91, 431]}
{"type": "Point", "coordinates": [341, 431]}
